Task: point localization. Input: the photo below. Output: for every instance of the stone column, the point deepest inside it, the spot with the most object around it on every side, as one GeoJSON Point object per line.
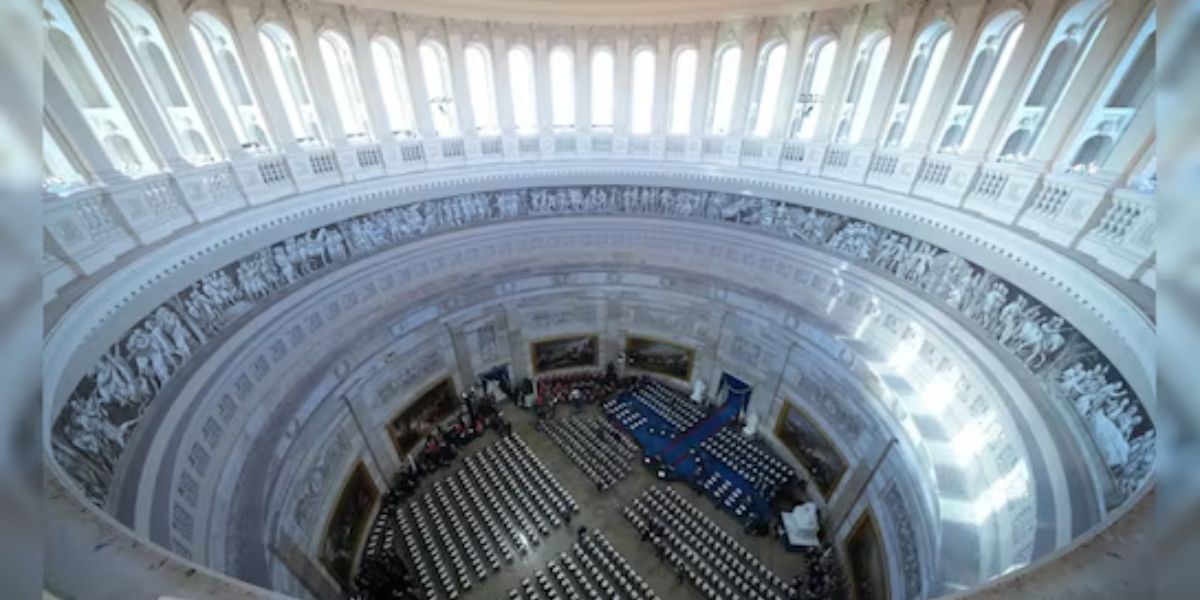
{"type": "Point", "coordinates": [843, 70]}
{"type": "Point", "coordinates": [1082, 89]}
{"type": "Point", "coordinates": [905, 19]}
{"type": "Point", "coordinates": [260, 79]}
{"type": "Point", "coordinates": [583, 80]}
{"type": "Point", "coordinates": [965, 18]}
{"type": "Point", "coordinates": [95, 19]}
{"type": "Point", "coordinates": [1011, 88]}
{"type": "Point", "coordinates": [621, 87]}
{"type": "Point", "coordinates": [662, 82]}
{"type": "Point", "coordinates": [504, 101]}
{"type": "Point", "coordinates": [793, 66]}
{"type": "Point", "coordinates": [175, 30]}
{"type": "Point", "coordinates": [746, 71]}
{"type": "Point", "coordinates": [704, 75]}
{"type": "Point", "coordinates": [410, 47]}
{"type": "Point", "coordinates": [364, 63]}
{"type": "Point", "coordinates": [314, 70]}
{"type": "Point", "coordinates": [458, 80]}
{"type": "Point", "coordinates": [541, 81]}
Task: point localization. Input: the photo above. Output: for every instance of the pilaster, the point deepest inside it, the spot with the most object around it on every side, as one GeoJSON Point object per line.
{"type": "Point", "coordinates": [843, 67]}
{"type": "Point", "coordinates": [793, 66]}
{"type": "Point", "coordinates": [260, 79]}
{"type": "Point", "coordinates": [904, 17]}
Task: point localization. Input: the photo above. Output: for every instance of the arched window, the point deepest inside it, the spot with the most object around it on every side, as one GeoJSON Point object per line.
{"type": "Point", "coordinates": [284, 65]}
{"type": "Point", "coordinates": [928, 53]}
{"type": "Point", "coordinates": [119, 147]}
{"type": "Point", "coordinates": [1069, 43]}
{"type": "Point", "coordinates": [642, 92]}
{"type": "Point", "coordinates": [770, 76]}
{"type": "Point", "coordinates": [435, 66]}
{"type": "Point", "coordinates": [389, 69]}
{"type": "Point", "coordinates": [602, 89]}
{"type": "Point", "coordinates": [524, 90]}
{"type": "Point", "coordinates": [71, 62]}
{"type": "Point", "coordinates": [1124, 93]}
{"type": "Point", "coordinates": [996, 44]}
{"type": "Point", "coordinates": [818, 68]}
{"type": "Point", "coordinates": [58, 169]}
{"type": "Point", "coordinates": [162, 79]}
{"type": "Point", "coordinates": [562, 87]}
{"type": "Point", "coordinates": [868, 68]}
{"type": "Point", "coordinates": [224, 68]}
{"type": "Point", "coordinates": [1092, 152]}
{"type": "Point", "coordinates": [343, 82]}
{"type": "Point", "coordinates": [724, 89]}
{"type": "Point", "coordinates": [77, 76]}
{"type": "Point", "coordinates": [683, 91]}
{"type": "Point", "coordinates": [483, 90]}
{"type": "Point", "coordinates": [144, 43]}
{"type": "Point", "coordinates": [1137, 80]}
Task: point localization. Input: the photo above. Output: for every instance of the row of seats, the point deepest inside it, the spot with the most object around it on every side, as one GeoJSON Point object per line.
{"type": "Point", "coordinates": [715, 563]}
{"type": "Point", "coordinates": [629, 418]}
{"type": "Point", "coordinates": [674, 407]}
{"type": "Point", "coordinates": [497, 506]}
{"type": "Point", "coordinates": [755, 463]}
{"type": "Point", "coordinates": [595, 446]}
{"type": "Point", "coordinates": [590, 569]}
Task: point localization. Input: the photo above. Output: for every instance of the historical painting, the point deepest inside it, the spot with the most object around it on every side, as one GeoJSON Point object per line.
{"type": "Point", "coordinates": [660, 357]}
{"type": "Point", "coordinates": [565, 353]}
{"type": "Point", "coordinates": [809, 444]}
{"type": "Point", "coordinates": [868, 570]}
{"type": "Point", "coordinates": [433, 406]}
{"type": "Point", "coordinates": [347, 524]}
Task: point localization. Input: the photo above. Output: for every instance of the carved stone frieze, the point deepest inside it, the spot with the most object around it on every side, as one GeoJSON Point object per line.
{"type": "Point", "coordinates": [91, 432]}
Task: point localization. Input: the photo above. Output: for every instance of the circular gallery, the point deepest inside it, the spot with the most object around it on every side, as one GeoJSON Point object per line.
{"type": "Point", "coordinates": [654, 299]}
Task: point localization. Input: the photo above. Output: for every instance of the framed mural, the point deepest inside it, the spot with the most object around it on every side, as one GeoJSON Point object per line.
{"type": "Point", "coordinates": [657, 356]}
{"type": "Point", "coordinates": [431, 407]}
{"type": "Point", "coordinates": [347, 525]}
{"type": "Point", "coordinates": [865, 554]}
{"type": "Point", "coordinates": [566, 352]}
{"type": "Point", "coordinates": [809, 444]}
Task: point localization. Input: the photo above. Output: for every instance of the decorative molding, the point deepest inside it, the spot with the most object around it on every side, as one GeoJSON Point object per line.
{"type": "Point", "coordinates": [90, 433]}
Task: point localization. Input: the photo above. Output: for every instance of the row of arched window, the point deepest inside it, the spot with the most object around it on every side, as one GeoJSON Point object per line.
{"type": "Point", "coordinates": [765, 117]}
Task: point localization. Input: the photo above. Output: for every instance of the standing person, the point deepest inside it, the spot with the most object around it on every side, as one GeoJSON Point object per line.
{"type": "Point", "coordinates": [577, 399]}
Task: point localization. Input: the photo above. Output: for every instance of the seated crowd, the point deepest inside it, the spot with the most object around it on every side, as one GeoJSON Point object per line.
{"type": "Point", "coordinates": [673, 406]}
{"type": "Point", "coordinates": [579, 389]}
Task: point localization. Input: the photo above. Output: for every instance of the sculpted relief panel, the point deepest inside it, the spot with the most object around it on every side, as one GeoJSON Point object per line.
{"type": "Point", "coordinates": [103, 411]}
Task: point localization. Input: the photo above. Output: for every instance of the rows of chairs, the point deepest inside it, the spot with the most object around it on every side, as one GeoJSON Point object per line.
{"type": "Point", "coordinates": [757, 464]}
{"type": "Point", "coordinates": [727, 495]}
{"type": "Point", "coordinates": [498, 506]}
{"type": "Point", "coordinates": [629, 418]}
{"type": "Point", "coordinates": [590, 569]}
{"type": "Point", "coordinates": [716, 564]}
{"type": "Point", "coordinates": [595, 446]}
{"type": "Point", "coordinates": [674, 407]}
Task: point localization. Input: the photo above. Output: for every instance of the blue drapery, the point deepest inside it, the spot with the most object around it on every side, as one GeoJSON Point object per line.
{"type": "Point", "coordinates": [736, 391]}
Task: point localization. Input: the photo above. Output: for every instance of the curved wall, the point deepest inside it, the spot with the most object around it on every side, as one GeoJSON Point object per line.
{"type": "Point", "coordinates": [823, 296]}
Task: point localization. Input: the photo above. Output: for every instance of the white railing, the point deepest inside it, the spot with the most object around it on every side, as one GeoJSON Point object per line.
{"type": "Point", "coordinates": [90, 226]}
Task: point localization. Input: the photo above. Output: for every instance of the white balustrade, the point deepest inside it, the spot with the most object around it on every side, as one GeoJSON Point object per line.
{"type": "Point", "coordinates": [1123, 240]}
{"type": "Point", "coordinates": [1001, 192]}
{"type": "Point", "coordinates": [89, 227]}
{"type": "Point", "coordinates": [1064, 208]}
